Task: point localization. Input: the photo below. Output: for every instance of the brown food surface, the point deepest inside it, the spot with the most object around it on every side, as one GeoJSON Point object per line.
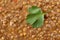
{"type": "Point", "coordinates": [13, 25]}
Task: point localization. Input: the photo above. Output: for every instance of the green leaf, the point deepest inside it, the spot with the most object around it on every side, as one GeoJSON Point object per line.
{"type": "Point", "coordinates": [35, 17]}
{"type": "Point", "coordinates": [39, 22]}
{"type": "Point", "coordinates": [34, 10]}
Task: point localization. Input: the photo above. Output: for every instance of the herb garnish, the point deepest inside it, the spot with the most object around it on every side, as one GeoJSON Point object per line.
{"type": "Point", "coordinates": [35, 17]}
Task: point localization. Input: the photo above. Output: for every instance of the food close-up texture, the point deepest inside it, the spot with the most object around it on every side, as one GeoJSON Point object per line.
{"type": "Point", "coordinates": [13, 25]}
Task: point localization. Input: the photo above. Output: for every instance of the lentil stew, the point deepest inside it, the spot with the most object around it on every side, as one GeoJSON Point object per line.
{"type": "Point", "coordinates": [13, 24]}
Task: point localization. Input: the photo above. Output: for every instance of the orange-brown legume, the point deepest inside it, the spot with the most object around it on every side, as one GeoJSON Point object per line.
{"type": "Point", "coordinates": [13, 24]}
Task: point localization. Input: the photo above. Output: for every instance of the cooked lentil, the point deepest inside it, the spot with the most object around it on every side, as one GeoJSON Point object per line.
{"type": "Point", "coordinates": [14, 27]}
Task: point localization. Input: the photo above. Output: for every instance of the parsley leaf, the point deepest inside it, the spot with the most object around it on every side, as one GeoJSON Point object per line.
{"type": "Point", "coordinates": [35, 17]}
